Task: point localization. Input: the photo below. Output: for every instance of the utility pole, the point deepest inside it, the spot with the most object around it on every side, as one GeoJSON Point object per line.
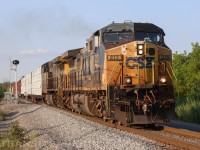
{"type": "Point", "coordinates": [10, 90]}
{"type": "Point", "coordinates": [15, 63]}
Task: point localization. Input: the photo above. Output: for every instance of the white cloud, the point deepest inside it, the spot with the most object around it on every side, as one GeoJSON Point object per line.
{"type": "Point", "coordinates": [33, 52]}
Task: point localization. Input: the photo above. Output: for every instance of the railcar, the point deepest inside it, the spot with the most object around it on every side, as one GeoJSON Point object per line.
{"type": "Point", "coordinates": [123, 74]}
{"type": "Point", "coordinates": [13, 88]}
{"type": "Point", "coordinates": [31, 85]}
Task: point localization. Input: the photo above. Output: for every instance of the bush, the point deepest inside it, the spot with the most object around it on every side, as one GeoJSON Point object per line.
{"type": "Point", "coordinates": [188, 110]}
{"type": "Point", "coordinates": [14, 138]}
{"type": "Point", "coordinates": [186, 70]}
{"type": "Point", "coordinates": [3, 88]}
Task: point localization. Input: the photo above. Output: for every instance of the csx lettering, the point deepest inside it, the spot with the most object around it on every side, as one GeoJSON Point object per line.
{"type": "Point", "coordinates": [134, 62]}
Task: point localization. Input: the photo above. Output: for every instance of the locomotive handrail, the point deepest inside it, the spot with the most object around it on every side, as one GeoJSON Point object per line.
{"type": "Point", "coordinates": [153, 73]}
{"type": "Point", "coordinates": [113, 70]}
{"type": "Point", "coordinates": [169, 73]}
{"type": "Point", "coordinates": [138, 73]}
{"type": "Point", "coordinates": [111, 75]}
{"type": "Point", "coordinates": [172, 71]}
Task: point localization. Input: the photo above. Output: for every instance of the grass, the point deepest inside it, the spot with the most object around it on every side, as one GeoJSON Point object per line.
{"type": "Point", "coordinates": [188, 110]}
{"type": "Point", "coordinates": [14, 138]}
{"type": "Point", "coordinates": [2, 115]}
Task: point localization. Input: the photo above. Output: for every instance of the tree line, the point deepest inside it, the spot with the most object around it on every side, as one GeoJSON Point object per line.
{"type": "Point", "coordinates": [186, 69]}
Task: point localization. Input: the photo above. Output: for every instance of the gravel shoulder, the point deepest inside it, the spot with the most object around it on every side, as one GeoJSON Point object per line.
{"type": "Point", "coordinates": [51, 128]}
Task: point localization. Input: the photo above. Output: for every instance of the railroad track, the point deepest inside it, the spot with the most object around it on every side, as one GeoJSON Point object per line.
{"type": "Point", "coordinates": [151, 135]}
{"type": "Point", "coordinates": [156, 134]}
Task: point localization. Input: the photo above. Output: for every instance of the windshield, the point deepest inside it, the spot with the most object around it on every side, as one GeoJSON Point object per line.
{"type": "Point", "coordinates": [120, 37]}
{"type": "Point", "coordinates": [153, 36]}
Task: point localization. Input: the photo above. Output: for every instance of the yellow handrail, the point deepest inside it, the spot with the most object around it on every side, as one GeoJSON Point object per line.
{"type": "Point", "coordinates": [172, 71]}
{"type": "Point", "coordinates": [153, 72]}
{"type": "Point", "coordinates": [113, 70]}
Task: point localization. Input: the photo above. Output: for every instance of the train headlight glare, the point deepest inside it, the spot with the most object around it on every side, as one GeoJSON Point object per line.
{"type": "Point", "coordinates": [140, 47]}
{"type": "Point", "coordinates": [163, 80]}
{"type": "Point", "coordinates": [140, 52]}
{"type": "Point", "coordinates": [128, 80]}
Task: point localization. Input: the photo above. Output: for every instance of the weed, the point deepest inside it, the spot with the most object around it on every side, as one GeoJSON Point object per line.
{"type": "Point", "coordinates": [14, 138]}
{"type": "Point", "coordinates": [188, 110]}
{"type": "Point", "coordinates": [2, 115]}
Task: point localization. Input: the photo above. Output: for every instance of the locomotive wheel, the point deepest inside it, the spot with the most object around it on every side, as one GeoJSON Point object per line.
{"type": "Point", "coordinates": [68, 104]}
{"type": "Point", "coordinates": [119, 123]}
{"type": "Point", "coordinates": [112, 121]}
{"type": "Point", "coordinates": [55, 100]}
{"type": "Point", "coordinates": [101, 112]}
{"type": "Point", "coordinates": [105, 119]}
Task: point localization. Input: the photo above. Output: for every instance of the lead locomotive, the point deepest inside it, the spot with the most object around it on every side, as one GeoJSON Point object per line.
{"type": "Point", "coordinates": [123, 74]}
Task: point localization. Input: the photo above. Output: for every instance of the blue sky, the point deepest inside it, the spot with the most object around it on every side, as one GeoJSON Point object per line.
{"type": "Point", "coordinates": [35, 31]}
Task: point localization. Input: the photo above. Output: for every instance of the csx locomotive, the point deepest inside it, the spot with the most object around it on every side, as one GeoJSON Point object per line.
{"type": "Point", "coordinates": [123, 74]}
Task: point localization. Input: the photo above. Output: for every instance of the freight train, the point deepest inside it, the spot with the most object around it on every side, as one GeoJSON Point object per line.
{"type": "Point", "coordinates": [123, 74]}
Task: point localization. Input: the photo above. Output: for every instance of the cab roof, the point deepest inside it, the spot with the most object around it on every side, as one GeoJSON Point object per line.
{"type": "Point", "coordinates": [129, 26]}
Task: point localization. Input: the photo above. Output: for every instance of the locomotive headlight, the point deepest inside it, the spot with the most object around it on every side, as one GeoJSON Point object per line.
{"type": "Point", "coordinates": [163, 80]}
{"type": "Point", "coordinates": [128, 80]}
{"type": "Point", "coordinates": [140, 49]}
{"type": "Point", "coordinates": [140, 52]}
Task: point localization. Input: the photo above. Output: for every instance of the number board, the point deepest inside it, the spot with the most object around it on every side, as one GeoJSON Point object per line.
{"type": "Point", "coordinates": [114, 57]}
{"type": "Point", "coordinates": [165, 57]}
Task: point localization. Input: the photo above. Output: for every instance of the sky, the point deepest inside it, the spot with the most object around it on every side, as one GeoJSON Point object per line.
{"type": "Point", "coordinates": [36, 31]}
